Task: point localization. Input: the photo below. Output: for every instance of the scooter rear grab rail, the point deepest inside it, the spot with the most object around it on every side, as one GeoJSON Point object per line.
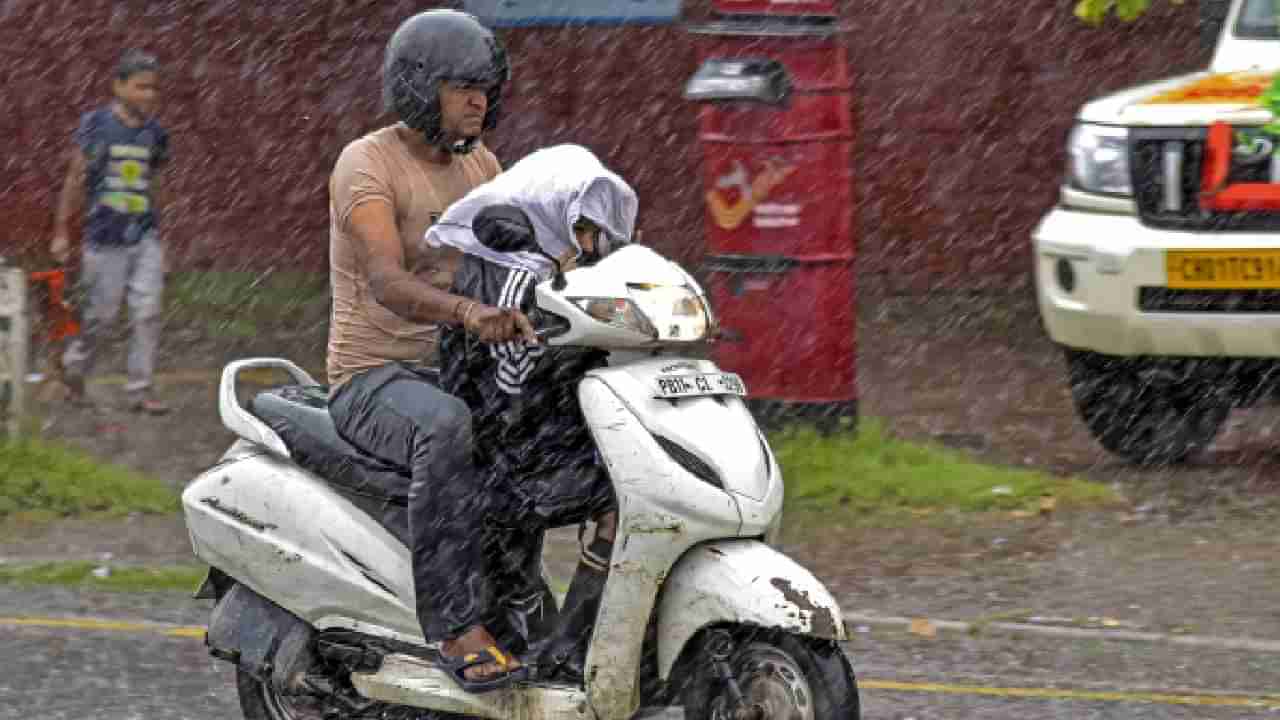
{"type": "Point", "coordinates": [239, 420]}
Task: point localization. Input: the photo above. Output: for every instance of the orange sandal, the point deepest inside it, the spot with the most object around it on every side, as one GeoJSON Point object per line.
{"type": "Point", "coordinates": [457, 666]}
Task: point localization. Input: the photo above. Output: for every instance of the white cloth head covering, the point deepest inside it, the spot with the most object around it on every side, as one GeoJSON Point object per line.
{"type": "Point", "coordinates": [555, 187]}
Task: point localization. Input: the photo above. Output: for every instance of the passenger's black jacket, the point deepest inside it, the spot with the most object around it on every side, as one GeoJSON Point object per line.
{"type": "Point", "coordinates": [530, 436]}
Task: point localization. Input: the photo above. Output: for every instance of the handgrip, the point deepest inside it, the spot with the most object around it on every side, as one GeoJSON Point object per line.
{"type": "Point", "coordinates": [547, 325]}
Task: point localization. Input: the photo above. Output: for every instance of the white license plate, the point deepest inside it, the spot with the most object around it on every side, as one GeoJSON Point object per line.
{"type": "Point", "coordinates": [678, 386]}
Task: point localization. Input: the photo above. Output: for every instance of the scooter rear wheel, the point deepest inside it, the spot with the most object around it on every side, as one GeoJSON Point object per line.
{"type": "Point", "coordinates": [260, 701]}
{"type": "Point", "coordinates": [781, 677]}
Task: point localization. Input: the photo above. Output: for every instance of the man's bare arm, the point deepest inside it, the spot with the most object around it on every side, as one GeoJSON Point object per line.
{"type": "Point", "coordinates": [392, 285]}
{"type": "Point", "coordinates": [401, 292]}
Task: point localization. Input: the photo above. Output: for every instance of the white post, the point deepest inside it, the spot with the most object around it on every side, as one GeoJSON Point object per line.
{"type": "Point", "coordinates": [14, 337]}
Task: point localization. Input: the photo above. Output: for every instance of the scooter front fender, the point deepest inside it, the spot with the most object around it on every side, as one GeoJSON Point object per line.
{"type": "Point", "coordinates": [741, 582]}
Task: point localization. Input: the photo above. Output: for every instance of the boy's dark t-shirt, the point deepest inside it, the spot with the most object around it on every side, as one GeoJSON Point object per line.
{"type": "Point", "coordinates": [121, 162]}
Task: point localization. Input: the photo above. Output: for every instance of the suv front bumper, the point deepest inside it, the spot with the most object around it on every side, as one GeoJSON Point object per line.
{"type": "Point", "coordinates": [1107, 259]}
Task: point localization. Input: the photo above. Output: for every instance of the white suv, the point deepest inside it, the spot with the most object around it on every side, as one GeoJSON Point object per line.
{"type": "Point", "coordinates": [1159, 270]}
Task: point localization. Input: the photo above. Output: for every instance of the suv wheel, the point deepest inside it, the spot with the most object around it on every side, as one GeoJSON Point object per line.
{"type": "Point", "coordinates": [1141, 414]}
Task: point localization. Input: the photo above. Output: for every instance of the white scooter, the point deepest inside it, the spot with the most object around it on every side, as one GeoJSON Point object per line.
{"type": "Point", "coordinates": [700, 618]}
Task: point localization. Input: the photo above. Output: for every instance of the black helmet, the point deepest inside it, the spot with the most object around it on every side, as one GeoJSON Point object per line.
{"type": "Point", "coordinates": [432, 47]}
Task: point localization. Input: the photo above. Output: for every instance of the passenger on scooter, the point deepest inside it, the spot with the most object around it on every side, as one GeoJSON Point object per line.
{"type": "Point", "coordinates": [443, 75]}
{"type": "Point", "coordinates": [555, 209]}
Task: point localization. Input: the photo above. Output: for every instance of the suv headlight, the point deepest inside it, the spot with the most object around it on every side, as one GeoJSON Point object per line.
{"type": "Point", "coordinates": [1100, 159]}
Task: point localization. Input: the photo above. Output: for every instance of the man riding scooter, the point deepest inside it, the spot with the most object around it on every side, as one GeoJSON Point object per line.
{"type": "Point", "coordinates": [555, 209]}
{"type": "Point", "coordinates": [443, 75]}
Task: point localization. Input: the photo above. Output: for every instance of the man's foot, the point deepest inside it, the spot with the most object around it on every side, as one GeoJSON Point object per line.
{"type": "Point", "coordinates": [146, 402]}
{"type": "Point", "coordinates": [477, 661]}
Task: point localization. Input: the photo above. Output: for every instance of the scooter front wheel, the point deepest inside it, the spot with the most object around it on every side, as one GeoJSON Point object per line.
{"type": "Point", "coordinates": [779, 677]}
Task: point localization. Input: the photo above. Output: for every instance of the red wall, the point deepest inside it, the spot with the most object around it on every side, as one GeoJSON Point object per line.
{"type": "Point", "coordinates": [963, 110]}
{"type": "Point", "coordinates": [964, 120]}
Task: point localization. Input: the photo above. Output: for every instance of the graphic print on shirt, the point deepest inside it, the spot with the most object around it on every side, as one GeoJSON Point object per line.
{"type": "Point", "coordinates": [127, 180]}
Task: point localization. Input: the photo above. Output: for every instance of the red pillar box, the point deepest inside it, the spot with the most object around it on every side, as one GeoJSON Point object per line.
{"type": "Point", "coordinates": [776, 132]}
{"type": "Point", "coordinates": [774, 315]}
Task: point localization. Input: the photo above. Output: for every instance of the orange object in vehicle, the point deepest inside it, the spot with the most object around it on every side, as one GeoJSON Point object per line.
{"type": "Point", "coordinates": [1216, 194]}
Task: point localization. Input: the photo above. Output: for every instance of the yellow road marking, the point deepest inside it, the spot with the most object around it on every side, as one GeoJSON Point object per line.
{"type": "Point", "coordinates": [1269, 702]}
{"type": "Point", "coordinates": [1256, 701]}
{"type": "Point", "coordinates": [187, 632]}
{"type": "Point", "coordinates": [96, 624]}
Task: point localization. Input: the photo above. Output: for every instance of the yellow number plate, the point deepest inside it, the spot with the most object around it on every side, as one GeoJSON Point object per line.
{"type": "Point", "coordinates": [1225, 269]}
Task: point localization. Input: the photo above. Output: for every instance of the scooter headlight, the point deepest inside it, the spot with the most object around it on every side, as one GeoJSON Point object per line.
{"type": "Point", "coordinates": [618, 312]}
{"type": "Point", "coordinates": [678, 312]}
{"type": "Point", "coordinates": [665, 313]}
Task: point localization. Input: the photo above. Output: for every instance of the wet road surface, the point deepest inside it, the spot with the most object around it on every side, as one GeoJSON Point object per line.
{"type": "Point", "coordinates": [84, 666]}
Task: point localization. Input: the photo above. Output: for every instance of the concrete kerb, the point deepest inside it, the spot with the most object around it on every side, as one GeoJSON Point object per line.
{"type": "Point", "coordinates": [853, 621]}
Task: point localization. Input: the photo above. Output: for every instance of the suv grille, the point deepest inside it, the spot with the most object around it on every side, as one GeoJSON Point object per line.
{"type": "Point", "coordinates": [1166, 166]}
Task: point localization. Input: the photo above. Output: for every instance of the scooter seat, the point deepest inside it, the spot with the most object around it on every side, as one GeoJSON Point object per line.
{"type": "Point", "coordinates": [299, 414]}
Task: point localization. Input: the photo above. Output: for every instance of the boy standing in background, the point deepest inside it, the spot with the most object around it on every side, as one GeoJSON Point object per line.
{"type": "Point", "coordinates": [116, 163]}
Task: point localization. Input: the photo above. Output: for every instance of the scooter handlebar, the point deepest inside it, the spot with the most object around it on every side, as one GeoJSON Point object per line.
{"type": "Point", "coordinates": [547, 326]}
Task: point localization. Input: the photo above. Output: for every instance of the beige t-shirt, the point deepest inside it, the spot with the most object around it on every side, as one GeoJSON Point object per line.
{"type": "Point", "coordinates": [383, 167]}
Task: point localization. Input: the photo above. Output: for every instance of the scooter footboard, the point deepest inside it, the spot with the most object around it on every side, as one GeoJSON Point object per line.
{"type": "Point", "coordinates": [743, 582]}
